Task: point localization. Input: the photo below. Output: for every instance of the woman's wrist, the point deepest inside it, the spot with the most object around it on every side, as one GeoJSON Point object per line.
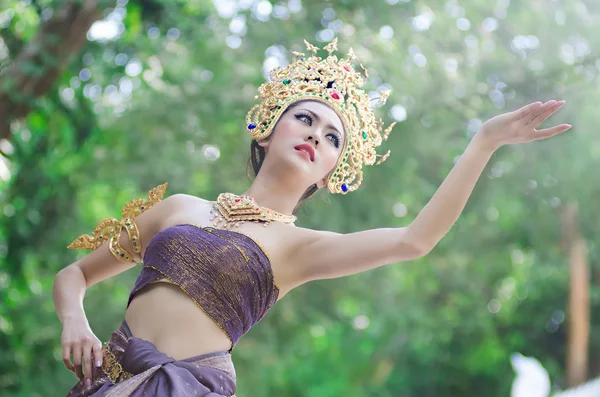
{"type": "Point", "coordinates": [480, 144]}
{"type": "Point", "coordinates": [78, 317]}
{"type": "Point", "coordinates": [68, 291]}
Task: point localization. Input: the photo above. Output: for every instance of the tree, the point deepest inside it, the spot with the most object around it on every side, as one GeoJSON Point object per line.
{"type": "Point", "coordinates": [35, 70]}
{"type": "Point", "coordinates": [173, 86]}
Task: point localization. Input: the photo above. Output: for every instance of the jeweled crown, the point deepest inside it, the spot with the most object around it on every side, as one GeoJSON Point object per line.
{"type": "Point", "coordinates": [336, 83]}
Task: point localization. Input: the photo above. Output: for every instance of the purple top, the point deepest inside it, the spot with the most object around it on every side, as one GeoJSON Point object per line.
{"type": "Point", "coordinates": [226, 273]}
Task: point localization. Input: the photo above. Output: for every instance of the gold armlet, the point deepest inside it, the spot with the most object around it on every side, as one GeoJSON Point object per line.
{"type": "Point", "coordinates": [133, 233]}
{"type": "Point", "coordinates": [134, 238]}
{"type": "Point", "coordinates": [110, 229]}
{"type": "Point", "coordinates": [119, 252]}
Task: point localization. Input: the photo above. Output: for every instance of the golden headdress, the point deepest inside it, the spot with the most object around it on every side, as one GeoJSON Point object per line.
{"type": "Point", "coordinates": [334, 82]}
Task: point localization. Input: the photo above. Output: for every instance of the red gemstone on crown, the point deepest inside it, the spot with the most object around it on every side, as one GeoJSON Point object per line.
{"type": "Point", "coordinates": [335, 95]}
{"type": "Point", "coordinates": [346, 68]}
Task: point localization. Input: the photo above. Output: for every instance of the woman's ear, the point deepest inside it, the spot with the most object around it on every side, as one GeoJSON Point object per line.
{"type": "Point", "coordinates": [264, 143]}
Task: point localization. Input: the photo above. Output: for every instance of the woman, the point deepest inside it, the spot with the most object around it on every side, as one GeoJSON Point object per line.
{"type": "Point", "coordinates": [211, 270]}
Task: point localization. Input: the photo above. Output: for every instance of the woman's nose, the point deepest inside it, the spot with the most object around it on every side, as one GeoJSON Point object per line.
{"type": "Point", "coordinates": [310, 138]}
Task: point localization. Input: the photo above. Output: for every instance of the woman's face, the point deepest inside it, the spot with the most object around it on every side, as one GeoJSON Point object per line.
{"type": "Point", "coordinates": [308, 137]}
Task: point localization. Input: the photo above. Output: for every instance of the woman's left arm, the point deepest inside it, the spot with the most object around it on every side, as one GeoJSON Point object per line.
{"type": "Point", "coordinates": [328, 255]}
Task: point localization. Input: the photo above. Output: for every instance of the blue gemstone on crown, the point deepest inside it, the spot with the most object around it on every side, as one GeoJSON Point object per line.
{"type": "Point", "coordinates": [251, 126]}
{"type": "Point", "coordinates": [344, 187]}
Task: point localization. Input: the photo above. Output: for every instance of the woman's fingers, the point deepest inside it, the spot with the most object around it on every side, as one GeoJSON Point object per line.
{"type": "Point", "coordinates": [548, 132]}
{"type": "Point", "coordinates": [527, 109]}
{"type": "Point", "coordinates": [67, 358]}
{"type": "Point", "coordinates": [77, 360]}
{"type": "Point", "coordinates": [540, 117]}
{"type": "Point", "coordinates": [97, 354]}
{"type": "Point", "coordinates": [87, 364]}
{"type": "Point", "coordinates": [536, 112]}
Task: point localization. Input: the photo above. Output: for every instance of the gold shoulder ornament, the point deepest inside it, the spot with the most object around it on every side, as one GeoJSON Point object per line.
{"type": "Point", "coordinates": [110, 229]}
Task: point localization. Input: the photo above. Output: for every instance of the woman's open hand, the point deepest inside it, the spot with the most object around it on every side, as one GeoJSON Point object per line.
{"type": "Point", "coordinates": [79, 341]}
{"type": "Point", "coordinates": [520, 126]}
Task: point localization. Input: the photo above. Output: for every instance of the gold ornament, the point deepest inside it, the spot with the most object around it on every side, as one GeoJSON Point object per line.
{"type": "Point", "coordinates": [231, 210]}
{"type": "Point", "coordinates": [110, 229]}
{"type": "Point", "coordinates": [112, 367]}
{"type": "Point", "coordinates": [335, 83]}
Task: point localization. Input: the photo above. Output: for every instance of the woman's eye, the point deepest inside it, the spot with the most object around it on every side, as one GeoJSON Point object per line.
{"type": "Point", "coordinates": [305, 117]}
{"type": "Point", "coordinates": [335, 139]}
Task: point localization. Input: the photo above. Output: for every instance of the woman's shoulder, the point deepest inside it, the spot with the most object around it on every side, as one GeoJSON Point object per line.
{"type": "Point", "coordinates": [156, 198]}
{"type": "Point", "coordinates": [185, 208]}
{"type": "Point", "coordinates": [178, 199]}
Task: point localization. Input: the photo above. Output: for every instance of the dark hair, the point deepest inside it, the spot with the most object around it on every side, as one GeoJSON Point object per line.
{"type": "Point", "coordinates": [257, 157]}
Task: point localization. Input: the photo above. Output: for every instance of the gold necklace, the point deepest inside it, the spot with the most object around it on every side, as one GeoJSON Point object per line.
{"type": "Point", "coordinates": [231, 210]}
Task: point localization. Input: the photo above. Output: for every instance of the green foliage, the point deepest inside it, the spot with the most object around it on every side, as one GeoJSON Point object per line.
{"type": "Point", "coordinates": [156, 103]}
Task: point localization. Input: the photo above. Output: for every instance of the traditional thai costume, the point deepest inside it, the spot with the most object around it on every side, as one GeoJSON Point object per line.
{"type": "Point", "coordinates": [226, 273]}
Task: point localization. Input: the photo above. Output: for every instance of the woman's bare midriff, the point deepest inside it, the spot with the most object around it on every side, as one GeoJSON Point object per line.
{"type": "Point", "coordinates": [164, 315]}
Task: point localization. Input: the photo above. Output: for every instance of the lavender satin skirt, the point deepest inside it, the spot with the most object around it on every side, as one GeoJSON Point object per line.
{"type": "Point", "coordinates": [134, 367]}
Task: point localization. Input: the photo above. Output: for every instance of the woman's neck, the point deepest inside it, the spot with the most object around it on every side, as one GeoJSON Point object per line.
{"type": "Point", "coordinates": [276, 196]}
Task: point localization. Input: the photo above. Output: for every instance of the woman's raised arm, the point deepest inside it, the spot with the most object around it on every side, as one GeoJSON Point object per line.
{"type": "Point", "coordinates": [317, 255]}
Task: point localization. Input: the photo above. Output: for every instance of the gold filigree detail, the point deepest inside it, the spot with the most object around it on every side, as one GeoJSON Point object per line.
{"type": "Point", "coordinates": [231, 210]}
{"type": "Point", "coordinates": [110, 229]}
{"type": "Point", "coordinates": [136, 207]}
{"type": "Point", "coordinates": [115, 247]}
{"type": "Point", "coordinates": [134, 234]}
{"type": "Point", "coordinates": [111, 366]}
{"type": "Point", "coordinates": [311, 48]}
{"type": "Point", "coordinates": [331, 47]}
{"type": "Point", "coordinates": [102, 233]}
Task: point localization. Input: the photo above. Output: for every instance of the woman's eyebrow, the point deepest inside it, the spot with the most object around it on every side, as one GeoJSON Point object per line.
{"type": "Point", "coordinates": [318, 118]}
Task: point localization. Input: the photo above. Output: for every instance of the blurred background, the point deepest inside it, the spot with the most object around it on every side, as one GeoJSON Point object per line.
{"type": "Point", "coordinates": [101, 100]}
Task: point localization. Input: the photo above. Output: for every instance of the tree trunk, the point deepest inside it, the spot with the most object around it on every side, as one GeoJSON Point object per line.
{"type": "Point", "coordinates": [579, 298]}
{"type": "Point", "coordinates": [37, 67]}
